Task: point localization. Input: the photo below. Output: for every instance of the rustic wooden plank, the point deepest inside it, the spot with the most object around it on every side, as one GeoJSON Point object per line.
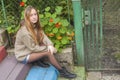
{"type": "Point", "coordinates": [19, 72]}
{"type": "Point", "coordinates": [7, 66]}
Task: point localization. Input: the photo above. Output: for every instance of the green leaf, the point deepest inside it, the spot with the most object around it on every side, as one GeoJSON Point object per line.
{"type": "Point", "coordinates": [44, 22]}
{"type": "Point", "coordinates": [64, 22]}
{"type": "Point", "coordinates": [22, 14]}
{"type": "Point", "coordinates": [53, 15]}
{"type": "Point", "coordinates": [24, 0]}
{"type": "Point", "coordinates": [9, 28]}
{"type": "Point", "coordinates": [47, 9]}
{"type": "Point", "coordinates": [0, 21]}
{"type": "Point", "coordinates": [55, 30]}
{"type": "Point", "coordinates": [41, 15]}
{"type": "Point", "coordinates": [16, 29]}
{"type": "Point", "coordinates": [62, 30]}
{"type": "Point", "coordinates": [64, 40]}
{"type": "Point", "coordinates": [58, 9]}
{"type": "Point", "coordinates": [48, 28]}
{"type": "Point", "coordinates": [50, 24]}
{"type": "Point", "coordinates": [47, 14]}
{"type": "Point", "coordinates": [58, 34]}
{"type": "Point", "coordinates": [57, 42]}
{"type": "Point", "coordinates": [56, 20]}
{"type": "Point", "coordinates": [57, 46]}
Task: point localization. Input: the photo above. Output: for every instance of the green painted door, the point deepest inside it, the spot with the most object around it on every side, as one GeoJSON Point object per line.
{"type": "Point", "coordinates": [92, 33]}
{"type": "Point", "coordinates": [88, 32]}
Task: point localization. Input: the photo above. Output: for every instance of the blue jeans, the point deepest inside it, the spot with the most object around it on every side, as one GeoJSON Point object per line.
{"type": "Point", "coordinates": [25, 61]}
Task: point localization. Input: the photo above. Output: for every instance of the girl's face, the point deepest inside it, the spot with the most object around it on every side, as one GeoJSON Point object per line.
{"type": "Point", "coordinates": [33, 16]}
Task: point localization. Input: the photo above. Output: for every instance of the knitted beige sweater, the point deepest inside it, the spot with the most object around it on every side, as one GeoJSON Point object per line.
{"type": "Point", "coordinates": [25, 45]}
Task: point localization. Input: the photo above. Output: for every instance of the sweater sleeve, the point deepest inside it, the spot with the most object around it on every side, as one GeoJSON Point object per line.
{"type": "Point", "coordinates": [30, 44]}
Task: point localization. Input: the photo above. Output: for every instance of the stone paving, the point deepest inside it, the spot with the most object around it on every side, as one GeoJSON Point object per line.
{"type": "Point", "coordinates": [80, 74]}
{"type": "Point", "coordinates": [103, 76]}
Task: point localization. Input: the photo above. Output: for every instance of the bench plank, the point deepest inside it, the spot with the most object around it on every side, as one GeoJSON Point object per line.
{"type": "Point", "coordinates": [11, 69]}
{"type": "Point", "coordinates": [19, 72]}
{"type": "Point", "coordinates": [6, 67]}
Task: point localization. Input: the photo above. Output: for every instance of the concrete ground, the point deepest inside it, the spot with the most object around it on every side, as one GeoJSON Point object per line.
{"type": "Point", "coordinates": [80, 74]}
{"type": "Point", "coordinates": [110, 75]}
{"type": "Point", "coordinates": [97, 75]}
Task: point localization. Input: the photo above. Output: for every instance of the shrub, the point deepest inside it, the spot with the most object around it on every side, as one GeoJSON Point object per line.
{"type": "Point", "coordinates": [56, 27]}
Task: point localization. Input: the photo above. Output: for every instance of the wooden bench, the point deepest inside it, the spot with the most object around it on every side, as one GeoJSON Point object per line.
{"type": "Point", "coordinates": [10, 68]}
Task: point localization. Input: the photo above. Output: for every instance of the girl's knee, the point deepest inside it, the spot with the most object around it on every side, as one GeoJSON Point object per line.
{"type": "Point", "coordinates": [49, 54]}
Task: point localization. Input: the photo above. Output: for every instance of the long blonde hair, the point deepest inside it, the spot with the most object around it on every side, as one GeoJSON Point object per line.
{"type": "Point", "coordinates": [37, 37]}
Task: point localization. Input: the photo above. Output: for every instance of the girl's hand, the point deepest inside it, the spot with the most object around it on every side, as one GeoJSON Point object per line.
{"type": "Point", "coordinates": [51, 49]}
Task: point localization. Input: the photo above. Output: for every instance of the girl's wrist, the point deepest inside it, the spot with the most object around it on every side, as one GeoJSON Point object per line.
{"type": "Point", "coordinates": [50, 45]}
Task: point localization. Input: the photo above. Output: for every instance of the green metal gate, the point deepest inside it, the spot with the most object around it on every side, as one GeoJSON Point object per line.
{"type": "Point", "coordinates": [88, 31]}
{"type": "Point", "coordinates": [92, 31]}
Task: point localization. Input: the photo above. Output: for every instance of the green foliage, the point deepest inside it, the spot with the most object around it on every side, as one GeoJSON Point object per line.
{"type": "Point", "coordinates": [12, 29]}
{"type": "Point", "coordinates": [60, 15]}
{"type": "Point", "coordinates": [57, 27]}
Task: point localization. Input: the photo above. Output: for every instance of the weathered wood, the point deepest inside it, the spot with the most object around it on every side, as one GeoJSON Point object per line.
{"type": "Point", "coordinates": [6, 67]}
{"type": "Point", "coordinates": [11, 69]}
{"type": "Point", "coordinates": [19, 73]}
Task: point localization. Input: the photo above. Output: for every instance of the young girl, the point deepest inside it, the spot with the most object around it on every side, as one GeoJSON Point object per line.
{"type": "Point", "coordinates": [32, 44]}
